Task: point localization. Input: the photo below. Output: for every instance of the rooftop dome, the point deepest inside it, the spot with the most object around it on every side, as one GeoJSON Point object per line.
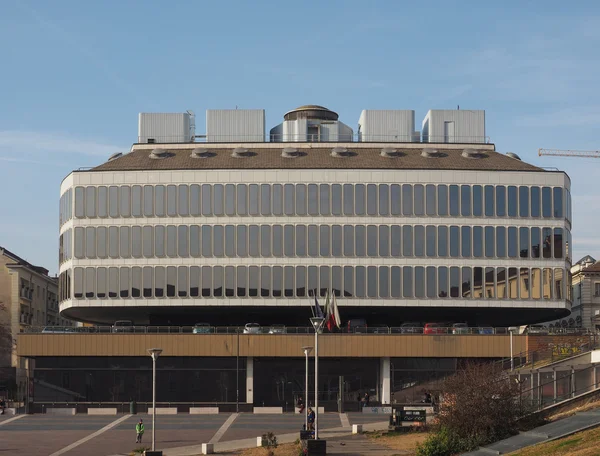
{"type": "Point", "coordinates": [311, 112]}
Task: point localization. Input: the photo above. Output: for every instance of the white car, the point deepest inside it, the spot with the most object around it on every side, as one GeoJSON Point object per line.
{"type": "Point", "coordinates": [277, 329]}
{"type": "Point", "coordinates": [252, 328]}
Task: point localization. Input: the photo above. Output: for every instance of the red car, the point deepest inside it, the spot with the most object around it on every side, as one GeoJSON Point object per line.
{"type": "Point", "coordinates": [434, 328]}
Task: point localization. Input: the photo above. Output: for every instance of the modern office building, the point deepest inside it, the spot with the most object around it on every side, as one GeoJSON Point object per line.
{"type": "Point", "coordinates": [228, 231]}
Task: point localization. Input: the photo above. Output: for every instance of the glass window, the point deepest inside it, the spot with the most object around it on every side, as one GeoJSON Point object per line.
{"type": "Point", "coordinates": [324, 282]}
{"type": "Point", "coordinates": [195, 201]}
{"type": "Point", "coordinates": [90, 282]}
{"type": "Point", "coordinates": [371, 241]}
{"type": "Point", "coordinates": [431, 281]}
{"type": "Point", "coordinates": [289, 200]}
{"type": "Point", "coordinates": [277, 281]}
{"type": "Point", "coordinates": [124, 282]}
{"type": "Point", "coordinates": [241, 199]}
{"type": "Point", "coordinates": [324, 241]}
{"type": "Point", "coordinates": [454, 200]}
{"type": "Point", "coordinates": [558, 243]}
{"type": "Point", "coordinates": [419, 240]}
{"type": "Point", "coordinates": [513, 242]}
{"type": "Point", "coordinates": [467, 283]}
{"type": "Point", "coordinates": [407, 241]}
{"type": "Point", "coordinates": [348, 199]}
{"type": "Point", "coordinates": [442, 241]}
{"type": "Point", "coordinates": [536, 283]}
{"type": "Point", "coordinates": [396, 199]}
{"type": "Point", "coordinates": [547, 236]}
{"type": "Point", "coordinates": [523, 201]}
{"type": "Point", "coordinates": [524, 242]}
{"type": "Point", "coordinates": [454, 241]}
{"type": "Point", "coordinates": [501, 201]}
{"type": "Point", "coordinates": [558, 202]}
{"type": "Point", "coordinates": [513, 283]}
{"type": "Point", "coordinates": [360, 198]}
{"type": "Point", "coordinates": [218, 200]}
{"type": "Point", "coordinates": [79, 202]}
{"type": "Point", "coordinates": [265, 240]}
{"type": "Point", "coordinates": [301, 199]}
{"type": "Point", "coordinates": [384, 281]}
{"type": "Point", "coordinates": [171, 200]}
{"type": "Point", "coordinates": [206, 281]}
{"type": "Point", "coordinates": [313, 199]}
{"type": "Point", "coordinates": [395, 281]}
{"type": "Point", "coordinates": [313, 241]}
{"type": "Point", "coordinates": [535, 201]}
{"type": "Point", "coordinates": [465, 200]}
{"type": "Point", "coordinates": [465, 232]}
{"type": "Point", "coordinates": [171, 241]}
{"type": "Point", "coordinates": [253, 281]}
{"type": "Point", "coordinates": [136, 282]}
{"type": "Point", "coordinates": [478, 283]}
{"type": "Point", "coordinates": [113, 201]}
{"type": "Point", "coordinates": [253, 199]}
{"type": "Point", "coordinates": [136, 241]}
{"type": "Point", "coordinates": [242, 281]}
{"type": "Point", "coordinates": [136, 200]}
{"type": "Point", "coordinates": [336, 280]}
{"type": "Point", "coordinates": [419, 207]}
{"type": "Point", "coordinates": [489, 200]}
{"type": "Point", "coordinates": [182, 241]}
{"type": "Point", "coordinates": [478, 241]}
{"type": "Point", "coordinates": [148, 201]}
{"type": "Point", "coordinates": [218, 241]}
{"type": "Point", "coordinates": [229, 199]}
{"type": "Point", "coordinates": [324, 199]}
{"type": "Point", "coordinates": [384, 241]}
{"type": "Point", "coordinates": [535, 243]}
{"type": "Point", "coordinates": [265, 281]}
{"type": "Point", "coordinates": [206, 199]}
{"type": "Point", "coordinates": [242, 244]}
{"type": "Point", "coordinates": [300, 240]}
{"type": "Point", "coordinates": [147, 276]}
{"type": "Point", "coordinates": [125, 199]}
{"type": "Point", "coordinates": [490, 287]}
{"type": "Point", "coordinates": [101, 283]}
{"type": "Point", "coordinates": [407, 282]}
{"type": "Point", "coordinates": [407, 199]}
{"type": "Point", "coordinates": [512, 201]}
{"type": "Point", "coordinates": [277, 240]}
{"type": "Point", "coordinates": [430, 240]}
{"type": "Point", "coordinates": [490, 242]}
{"type": "Point", "coordinates": [229, 281]}
{"type": "Point", "coordinates": [525, 283]}
{"type": "Point", "coordinates": [336, 241]}
{"type": "Point", "coordinates": [443, 291]}
{"type": "Point", "coordinates": [124, 243]}
{"type": "Point", "coordinates": [348, 240]}
{"type": "Point", "coordinates": [419, 282]}
{"type": "Point", "coordinates": [90, 202]}
{"type": "Point", "coordinates": [113, 282]}
{"type": "Point", "coordinates": [148, 237]}
{"type": "Point", "coordinates": [454, 282]}
{"type": "Point", "coordinates": [500, 241]}
{"type": "Point", "coordinates": [113, 238]}
{"type": "Point", "coordinates": [384, 199]}
{"type": "Point", "coordinates": [195, 241]}
{"type": "Point", "coordinates": [288, 281]}
{"type": "Point", "coordinates": [277, 199]}
{"type": "Point", "coordinates": [78, 281]}
{"type": "Point", "coordinates": [336, 199]}
{"type": "Point", "coordinates": [218, 284]}
{"type": "Point", "coordinates": [102, 202]}
{"type": "Point", "coordinates": [547, 283]}
{"type": "Point", "coordinates": [102, 242]}
{"type": "Point", "coordinates": [313, 280]}
{"type": "Point", "coordinates": [360, 282]}
{"type": "Point", "coordinates": [206, 238]}
{"type": "Point", "coordinates": [477, 200]}
{"type": "Point", "coordinates": [79, 242]}
{"type": "Point", "coordinates": [360, 233]}
{"type": "Point", "coordinates": [430, 199]}
{"type": "Point", "coordinates": [159, 197]}
{"type": "Point", "coordinates": [442, 199]}
{"type": "Point", "coordinates": [348, 281]}
{"type": "Point", "coordinates": [371, 199]}
{"type": "Point", "coordinates": [396, 241]}
{"type": "Point", "coordinates": [300, 281]}
{"type": "Point", "coordinates": [182, 281]}
{"type": "Point", "coordinates": [546, 202]}
{"type": "Point", "coordinates": [501, 283]}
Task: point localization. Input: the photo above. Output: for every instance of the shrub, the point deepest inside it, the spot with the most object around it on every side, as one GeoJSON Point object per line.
{"type": "Point", "coordinates": [441, 443]}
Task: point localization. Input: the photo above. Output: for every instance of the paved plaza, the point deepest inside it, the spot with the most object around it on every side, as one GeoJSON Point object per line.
{"type": "Point", "coordinates": [37, 435]}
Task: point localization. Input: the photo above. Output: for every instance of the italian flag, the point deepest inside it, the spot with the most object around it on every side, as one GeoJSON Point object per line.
{"type": "Point", "coordinates": [332, 315]}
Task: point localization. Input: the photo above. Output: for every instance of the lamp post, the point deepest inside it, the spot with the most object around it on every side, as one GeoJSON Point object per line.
{"type": "Point", "coordinates": [307, 351]}
{"type": "Point", "coordinates": [155, 353]}
{"type": "Point", "coordinates": [317, 323]}
{"type": "Point", "coordinates": [511, 330]}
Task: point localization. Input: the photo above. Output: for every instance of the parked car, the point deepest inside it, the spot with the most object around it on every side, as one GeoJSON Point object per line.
{"type": "Point", "coordinates": [277, 329]}
{"type": "Point", "coordinates": [357, 325]}
{"type": "Point", "coordinates": [434, 328]}
{"type": "Point", "coordinates": [460, 328]}
{"type": "Point", "coordinates": [202, 328]}
{"type": "Point", "coordinates": [485, 330]}
{"type": "Point", "coordinates": [57, 330]}
{"type": "Point", "coordinates": [252, 328]}
{"type": "Point", "coordinates": [536, 329]}
{"type": "Point", "coordinates": [379, 329]}
{"type": "Point", "coordinates": [122, 326]}
{"type": "Point", "coordinates": [411, 327]}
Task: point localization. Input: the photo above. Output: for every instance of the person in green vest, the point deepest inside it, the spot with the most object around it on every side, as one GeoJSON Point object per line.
{"type": "Point", "coordinates": [139, 429]}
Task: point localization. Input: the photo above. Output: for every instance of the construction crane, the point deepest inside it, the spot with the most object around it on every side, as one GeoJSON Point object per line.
{"type": "Point", "coordinates": [570, 153]}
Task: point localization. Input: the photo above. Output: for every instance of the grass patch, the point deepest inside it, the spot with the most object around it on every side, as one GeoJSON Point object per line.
{"type": "Point", "coordinates": [581, 444]}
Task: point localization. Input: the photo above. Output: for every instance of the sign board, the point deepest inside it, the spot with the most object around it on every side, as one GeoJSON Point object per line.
{"type": "Point", "coordinates": [413, 416]}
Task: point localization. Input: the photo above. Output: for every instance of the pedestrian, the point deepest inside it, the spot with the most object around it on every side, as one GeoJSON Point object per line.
{"type": "Point", "coordinates": [2, 406]}
{"type": "Point", "coordinates": [139, 430]}
{"type": "Point", "coordinates": [311, 419]}
{"type": "Point", "coordinates": [300, 404]}
{"type": "Point", "coordinates": [367, 399]}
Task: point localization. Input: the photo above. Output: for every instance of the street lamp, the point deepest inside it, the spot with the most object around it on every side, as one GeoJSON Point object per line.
{"type": "Point", "coordinates": [307, 351]}
{"type": "Point", "coordinates": [511, 330]}
{"type": "Point", "coordinates": [317, 323]}
{"type": "Point", "coordinates": [155, 353]}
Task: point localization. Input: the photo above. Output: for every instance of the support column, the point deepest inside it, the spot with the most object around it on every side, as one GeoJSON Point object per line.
{"type": "Point", "coordinates": [384, 379]}
{"type": "Point", "coordinates": [250, 380]}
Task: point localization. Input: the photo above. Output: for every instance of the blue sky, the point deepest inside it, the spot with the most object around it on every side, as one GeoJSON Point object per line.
{"type": "Point", "coordinates": [75, 74]}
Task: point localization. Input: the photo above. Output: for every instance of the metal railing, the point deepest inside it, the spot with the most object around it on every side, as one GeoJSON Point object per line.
{"type": "Point", "coordinates": [279, 329]}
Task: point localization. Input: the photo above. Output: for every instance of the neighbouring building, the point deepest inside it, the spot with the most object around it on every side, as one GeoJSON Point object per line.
{"type": "Point", "coordinates": [586, 295]}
